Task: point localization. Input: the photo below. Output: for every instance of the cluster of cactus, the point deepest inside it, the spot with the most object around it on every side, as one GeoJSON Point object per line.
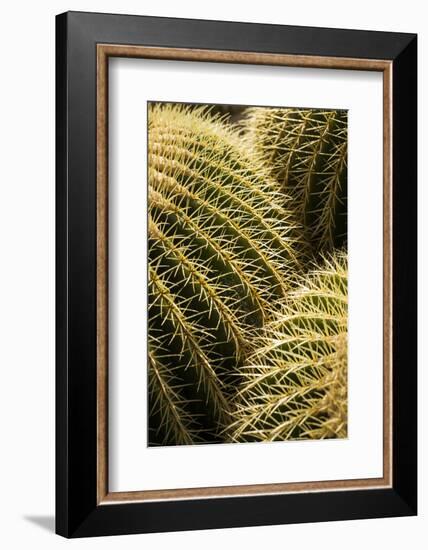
{"type": "Point", "coordinates": [228, 247]}
{"type": "Point", "coordinates": [222, 248]}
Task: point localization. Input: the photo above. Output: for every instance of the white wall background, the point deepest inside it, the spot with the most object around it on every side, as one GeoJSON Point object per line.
{"type": "Point", "coordinates": [27, 272]}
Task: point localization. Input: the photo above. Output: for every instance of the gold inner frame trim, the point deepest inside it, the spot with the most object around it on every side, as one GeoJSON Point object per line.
{"type": "Point", "coordinates": [104, 51]}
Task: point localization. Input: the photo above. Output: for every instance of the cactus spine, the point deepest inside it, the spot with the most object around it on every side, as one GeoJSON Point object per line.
{"type": "Point", "coordinates": [222, 248]}
{"type": "Point", "coordinates": [295, 382]}
{"type": "Point", "coordinates": [306, 151]}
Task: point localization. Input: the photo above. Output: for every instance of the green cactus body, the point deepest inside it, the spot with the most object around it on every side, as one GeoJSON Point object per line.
{"type": "Point", "coordinates": [222, 247]}
{"type": "Point", "coordinates": [306, 151]}
{"type": "Point", "coordinates": [295, 382]}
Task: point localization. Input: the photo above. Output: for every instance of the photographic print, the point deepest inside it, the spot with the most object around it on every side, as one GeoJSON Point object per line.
{"type": "Point", "coordinates": [247, 274]}
{"type": "Point", "coordinates": [236, 274]}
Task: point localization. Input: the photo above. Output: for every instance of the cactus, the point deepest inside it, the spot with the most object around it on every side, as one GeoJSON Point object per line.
{"type": "Point", "coordinates": [306, 151]}
{"type": "Point", "coordinates": [295, 382]}
{"type": "Point", "coordinates": [222, 248]}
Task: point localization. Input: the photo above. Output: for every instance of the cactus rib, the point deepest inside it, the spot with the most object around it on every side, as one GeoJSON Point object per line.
{"type": "Point", "coordinates": [169, 404]}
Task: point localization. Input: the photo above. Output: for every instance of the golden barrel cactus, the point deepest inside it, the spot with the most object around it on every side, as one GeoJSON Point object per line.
{"type": "Point", "coordinates": [295, 382]}
{"type": "Point", "coordinates": [223, 246]}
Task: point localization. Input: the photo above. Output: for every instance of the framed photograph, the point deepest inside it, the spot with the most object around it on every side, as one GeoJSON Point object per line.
{"type": "Point", "coordinates": [236, 274]}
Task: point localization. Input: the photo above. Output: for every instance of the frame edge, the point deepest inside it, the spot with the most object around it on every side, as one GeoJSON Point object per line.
{"type": "Point", "coordinates": [61, 267]}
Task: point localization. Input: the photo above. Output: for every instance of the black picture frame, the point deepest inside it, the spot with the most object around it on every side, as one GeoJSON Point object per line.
{"type": "Point", "coordinates": [78, 511]}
